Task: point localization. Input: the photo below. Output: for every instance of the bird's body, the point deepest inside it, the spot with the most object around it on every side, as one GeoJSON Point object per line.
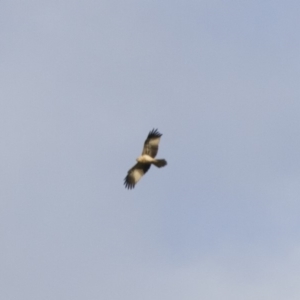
{"type": "Point", "coordinates": [145, 160]}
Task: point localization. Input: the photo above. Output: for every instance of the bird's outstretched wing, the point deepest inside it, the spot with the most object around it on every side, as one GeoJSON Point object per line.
{"type": "Point", "coordinates": [135, 174]}
{"type": "Point", "coordinates": [151, 143]}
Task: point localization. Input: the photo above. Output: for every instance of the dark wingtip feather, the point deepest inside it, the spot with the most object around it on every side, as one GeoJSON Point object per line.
{"type": "Point", "coordinates": [127, 184]}
{"type": "Point", "coordinates": [154, 133]}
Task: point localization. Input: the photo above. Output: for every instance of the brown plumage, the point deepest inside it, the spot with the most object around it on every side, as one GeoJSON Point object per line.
{"type": "Point", "coordinates": [145, 160]}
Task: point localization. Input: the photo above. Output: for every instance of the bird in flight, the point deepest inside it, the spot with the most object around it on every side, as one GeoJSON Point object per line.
{"type": "Point", "coordinates": [145, 161]}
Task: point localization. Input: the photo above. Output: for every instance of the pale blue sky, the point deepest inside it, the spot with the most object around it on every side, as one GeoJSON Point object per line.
{"type": "Point", "coordinates": [82, 83]}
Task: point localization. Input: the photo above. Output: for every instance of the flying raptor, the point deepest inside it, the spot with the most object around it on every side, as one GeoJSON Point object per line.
{"type": "Point", "coordinates": [145, 161]}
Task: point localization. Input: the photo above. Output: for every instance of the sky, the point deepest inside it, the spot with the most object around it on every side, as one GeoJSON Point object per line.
{"type": "Point", "coordinates": [82, 84]}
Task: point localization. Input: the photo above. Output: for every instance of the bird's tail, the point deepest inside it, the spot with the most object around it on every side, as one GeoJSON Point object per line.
{"type": "Point", "coordinates": [159, 163]}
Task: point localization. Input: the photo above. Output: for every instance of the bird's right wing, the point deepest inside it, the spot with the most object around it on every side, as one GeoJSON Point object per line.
{"type": "Point", "coordinates": [135, 174]}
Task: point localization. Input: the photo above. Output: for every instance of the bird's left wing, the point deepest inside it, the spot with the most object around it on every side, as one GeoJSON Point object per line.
{"type": "Point", "coordinates": [151, 143]}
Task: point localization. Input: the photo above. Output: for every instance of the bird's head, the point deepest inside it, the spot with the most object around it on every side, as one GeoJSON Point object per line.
{"type": "Point", "coordinates": [139, 159]}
